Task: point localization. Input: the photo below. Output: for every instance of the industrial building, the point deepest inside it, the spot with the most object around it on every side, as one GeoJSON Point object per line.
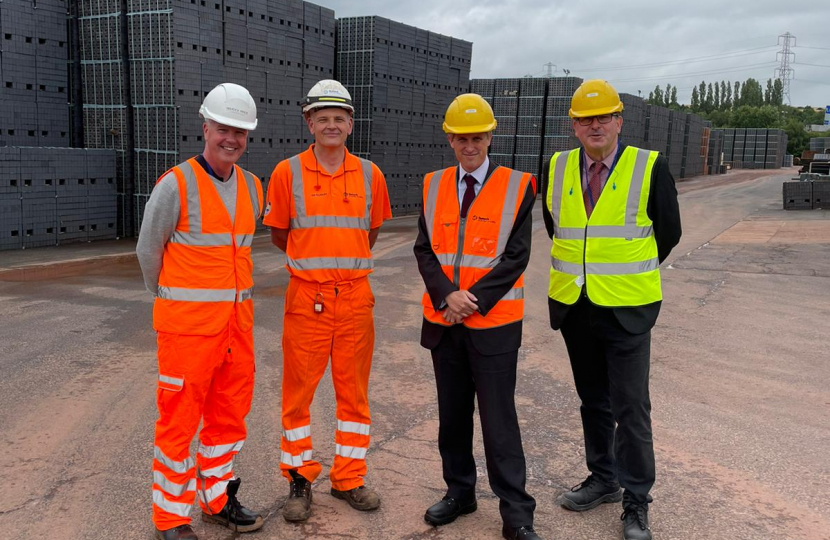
{"type": "Point", "coordinates": [113, 88]}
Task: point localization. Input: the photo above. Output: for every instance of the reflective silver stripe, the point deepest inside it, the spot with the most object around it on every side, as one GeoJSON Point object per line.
{"type": "Point", "coordinates": [250, 181]}
{"type": "Point", "coordinates": [194, 205]}
{"type": "Point", "coordinates": [296, 434]}
{"type": "Point", "coordinates": [632, 206]}
{"type": "Point", "coordinates": [354, 452]}
{"type": "Point", "coordinates": [220, 449]}
{"type": "Point", "coordinates": [606, 269]}
{"type": "Point", "coordinates": [171, 380]}
{"type": "Point", "coordinates": [475, 261]}
{"type": "Point", "coordinates": [353, 427]}
{"type": "Point", "coordinates": [432, 202]}
{"type": "Point", "coordinates": [604, 231]}
{"type": "Point", "coordinates": [218, 471]}
{"type": "Point", "coordinates": [245, 294]}
{"type": "Point", "coordinates": [297, 189]}
{"type": "Point", "coordinates": [446, 259]}
{"type": "Point", "coordinates": [171, 488]}
{"type": "Point", "coordinates": [244, 240]}
{"type": "Point", "coordinates": [217, 490]}
{"type": "Point", "coordinates": [295, 461]}
{"type": "Point", "coordinates": [557, 182]}
{"type": "Point", "coordinates": [201, 239]}
{"type": "Point", "coordinates": [619, 269]}
{"type": "Point", "coordinates": [517, 293]}
{"type": "Point", "coordinates": [508, 211]}
{"type": "Point", "coordinates": [366, 165]}
{"type": "Point", "coordinates": [335, 222]}
{"type": "Point", "coordinates": [330, 263]}
{"type": "Point", "coordinates": [566, 267]}
{"type": "Point", "coordinates": [178, 509]}
{"type": "Point", "coordinates": [180, 467]}
{"type": "Point", "coordinates": [197, 295]}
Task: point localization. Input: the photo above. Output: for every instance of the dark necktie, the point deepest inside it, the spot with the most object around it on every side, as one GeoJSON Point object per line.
{"type": "Point", "coordinates": [594, 186]}
{"type": "Point", "coordinates": [469, 194]}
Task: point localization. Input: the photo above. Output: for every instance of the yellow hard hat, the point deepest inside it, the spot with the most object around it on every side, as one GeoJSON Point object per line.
{"type": "Point", "coordinates": [469, 113]}
{"type": "Point", "coordinates": [594, 98]}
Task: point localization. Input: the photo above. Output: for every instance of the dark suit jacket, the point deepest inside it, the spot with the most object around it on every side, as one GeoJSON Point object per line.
{"type": "Point", "coordinates": [489, 289]}
{"type": "Point", "coordinates": [664, 212]}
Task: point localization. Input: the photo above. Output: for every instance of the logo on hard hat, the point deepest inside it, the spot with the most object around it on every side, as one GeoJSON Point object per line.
{"type": "Point", "coordinates": [592, 94]}
{"type": "Point", "coordinates": [471, 111]}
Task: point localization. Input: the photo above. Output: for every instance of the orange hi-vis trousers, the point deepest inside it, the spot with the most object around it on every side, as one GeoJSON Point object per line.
{"type": "Point", "coordinates": [343, 330]}
{"type": "Point", "coordinates": [208, 379]}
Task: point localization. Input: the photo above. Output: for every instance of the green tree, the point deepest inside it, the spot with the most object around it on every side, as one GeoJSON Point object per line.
{"type": "Point", "coordinates": [667, 96]}
{"type": "Point", "coordinates": [709, 102]}
{"type": "Point", "coordinates": [695, 100]}
{"type": "Point", "coordinates": [726, 96]}
{"type": "Point", "coordinates": [717, 97]}
{"type": "Point", "coordinates": [658, 96]}
{"type": "Point", "coordinates": [736, 96]}
{"type": "Point", "coordinates": [751, 93]}
{"type": "Point", "coordinates": [777, 93]}
{"type": "Point", "coordinates": [701, 89]}
{"type": "Point", "coordinates": [674, 96]}
{"type": "Point", "coordinates": [747, 116]}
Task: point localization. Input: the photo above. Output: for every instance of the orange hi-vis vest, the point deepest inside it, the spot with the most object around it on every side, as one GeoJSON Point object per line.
{"type": "Point", "coordinates": [469, 248]}
{"type": "Point", "coordinates": [207, 269]}
{"type": "Point", "coordinates": [328, 238]}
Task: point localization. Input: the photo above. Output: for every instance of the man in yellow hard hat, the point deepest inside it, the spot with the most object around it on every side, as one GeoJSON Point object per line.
{"type": "Point", "coordinates": [473, 246]}
{"type": "Point", "coordinates": [613, 215]}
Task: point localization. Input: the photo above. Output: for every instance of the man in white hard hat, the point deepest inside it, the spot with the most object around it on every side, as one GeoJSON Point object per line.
{"type": "Point", "coordinates": [195, 253]}
{"type": "Point", "coordinates": [325, 208]}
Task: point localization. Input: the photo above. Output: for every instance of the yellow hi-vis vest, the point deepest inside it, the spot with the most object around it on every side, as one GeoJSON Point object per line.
{"type": "Point", "coordinates": [613, 253]}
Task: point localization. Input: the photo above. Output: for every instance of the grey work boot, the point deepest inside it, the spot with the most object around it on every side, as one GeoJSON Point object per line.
{"type": "Point", "coordinates": [360, 498]}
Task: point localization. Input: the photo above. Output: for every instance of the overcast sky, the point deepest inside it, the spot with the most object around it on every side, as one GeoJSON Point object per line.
{"type": "Point", "coordinates": [709, 40]}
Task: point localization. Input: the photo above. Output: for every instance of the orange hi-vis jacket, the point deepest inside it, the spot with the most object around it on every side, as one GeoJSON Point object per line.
{"type": "Point", "coordinates": [468, 248]}
{"type": "Point", "coordinates": [329, 216]}
{"type": "Point", "coordinates": [207, 269]}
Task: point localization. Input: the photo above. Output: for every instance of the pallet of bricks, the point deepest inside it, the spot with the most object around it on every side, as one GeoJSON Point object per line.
{"type": "Point", "coordinates": [401, 79]}
{"type": "Point", "coordinates": [559, 134]}
{"type": "Point", "coordinates": [506, 110]}
{"type": "Point", "coordinates": [656, 129]}
{"type": "Point", "coordinates": [34, 86]}
{"type": "Point", "coordinates": [806, 195]}
{"type": "Point", "coordinates": [634, 120]}
{"type": "Point", "coordinates": [675, 142]}
{"type": "Point", "coordinates": [51, 196]}
{"type": "Point", "coordinates": [530, 125]}
{"type": "Point", "coordinates": [694, 149]}
{"type": "Point", "coordinates": [714, 163]}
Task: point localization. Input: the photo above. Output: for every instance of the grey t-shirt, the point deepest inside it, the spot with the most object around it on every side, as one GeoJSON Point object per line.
{"type": "Point", "coordinates": [160, 218]}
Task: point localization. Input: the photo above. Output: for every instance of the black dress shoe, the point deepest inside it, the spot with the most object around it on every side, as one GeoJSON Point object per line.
{"type": "Point", "coordinates": [448, 509]}
{"type": "Point", "coordinates": [182, 532]}
{"type": "Point", "coordinates": [590, 494]}
{"type": "Point", "coordinates": [521, 533]}
{"type": "Point", "coordinates": [233, 515]}
{"type": "Point", "coordinates": [635, 522]}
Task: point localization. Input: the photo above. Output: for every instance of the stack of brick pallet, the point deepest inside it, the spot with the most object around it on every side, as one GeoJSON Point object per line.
{"type": "Point", "coordinates": [819, 144]}
{"type": "Point", "coordinates": [751, 148]}
{"type": "Point", "coordinates": [715, 153]}
{"type": "Point", "coordinates": [529, 125]}
{"type": "Point", "coordinates": [695, 147]}
{"type": "Point", "coordinates": [634, 120]}
{"type": "Point", "coordinates": [675, 141]}
{"type": "Point", "coordinates": [401, 79]}
{"type": "Point", "coordinates": [806, 195]}
{"type": "Point", "coordinates": [178, 51]}
{"type": "Point", "coordinates": [559, 134]}
{"type": "Point", "coordinates": [506, 108]}
{"type": "Point", "coordinates": [33, 77]}
{"type": "Point", "coordinates": [50, 196]}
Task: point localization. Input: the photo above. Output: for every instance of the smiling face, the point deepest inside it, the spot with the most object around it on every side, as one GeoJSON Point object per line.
{"type": "Point", "coordinates": [224, 145]}
{"type": "Point", "coordinates": [598, 139]}
{"type": "Point", "coordinates": [470, 148]}
{"type": "Point", "coordinates": [330, 126]}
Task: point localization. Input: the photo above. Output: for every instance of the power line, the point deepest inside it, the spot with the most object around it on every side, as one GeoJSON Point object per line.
{"type": "Point", "coordinates": [816, 48]}
{"type": "Point", "coordinates": [744, 52]}
{"type": "Point", "coordinates": [699, 73]}
{"type": "Point", "coordinates": [814, 65]}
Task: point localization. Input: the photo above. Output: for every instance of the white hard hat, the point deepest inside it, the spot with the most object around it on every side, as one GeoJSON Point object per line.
{"type": "Point", "coordinates": [327, 93]}
{"type": "Point", "coordinates": [232, 105]}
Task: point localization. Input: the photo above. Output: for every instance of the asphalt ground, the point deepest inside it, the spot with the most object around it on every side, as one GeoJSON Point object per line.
{"type": "Point", "coordinates": [739, 386]}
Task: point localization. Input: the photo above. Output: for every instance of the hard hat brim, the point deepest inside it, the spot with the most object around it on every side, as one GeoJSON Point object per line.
{"type": "Point", "coordinates": [481, 128]}
{"type": "Point", "coordinates": [249, 126]}
{"type": "Point", "coordinates": [327, 105]}
{"type": "Point", "coordinates": [596, 112]}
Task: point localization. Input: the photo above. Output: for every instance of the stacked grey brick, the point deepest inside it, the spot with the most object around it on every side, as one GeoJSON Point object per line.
{"type": "Point", "coordinates": [751, 148]}
{"type": "Point", "coordinates": [401, 79]}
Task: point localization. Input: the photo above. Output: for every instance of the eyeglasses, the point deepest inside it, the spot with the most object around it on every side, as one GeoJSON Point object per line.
{"type": "Point", "coordinates": [602, 119]}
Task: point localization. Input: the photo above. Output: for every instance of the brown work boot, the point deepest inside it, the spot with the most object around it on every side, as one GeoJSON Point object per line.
{"type": "Point", "coordinates": [298, 504]}
{"type": "Point", "coordinates": [359, 498]}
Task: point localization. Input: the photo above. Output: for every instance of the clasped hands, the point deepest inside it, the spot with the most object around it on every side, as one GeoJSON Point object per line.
{"type": "Point", "coordinates": [460, 305]}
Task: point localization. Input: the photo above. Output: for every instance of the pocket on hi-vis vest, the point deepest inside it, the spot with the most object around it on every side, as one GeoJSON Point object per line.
{"type": "Point", "coordinates": [448, 232]}
{"type": "Point", "coordinates": [483, 245]}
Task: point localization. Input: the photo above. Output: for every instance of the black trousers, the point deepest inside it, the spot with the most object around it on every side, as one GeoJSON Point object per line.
{"type": "Point", "coordinates": [461, 374]}
{"type": "Point", "coordinates": [611, 370]}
